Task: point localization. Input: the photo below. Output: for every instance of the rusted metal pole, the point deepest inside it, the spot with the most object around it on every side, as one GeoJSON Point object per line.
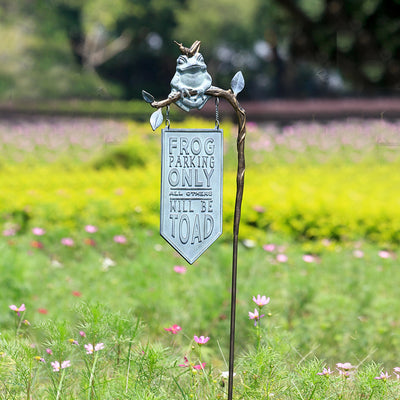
{"type": "Point", "coordinates": [241, 116]}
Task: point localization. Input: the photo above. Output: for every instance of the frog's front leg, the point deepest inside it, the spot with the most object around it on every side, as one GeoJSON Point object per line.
{"type": "Point", "coordinates": [173, 93]}
{"type": "Point", "coordinates": [183, 91]}
{"type": "Point", "coordinates": [200, 94]}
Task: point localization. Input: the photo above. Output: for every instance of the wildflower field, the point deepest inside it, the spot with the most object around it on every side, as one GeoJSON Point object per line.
{"type": "Point", "coordinates": [95, 305]}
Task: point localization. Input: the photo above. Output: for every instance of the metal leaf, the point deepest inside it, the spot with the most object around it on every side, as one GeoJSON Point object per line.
{"type": "Point", "coordinates": [237, 83]}
{"type": "Point", "coordinates": [148, 98]}
{"type": "Point", "coordinates": [156, 119]}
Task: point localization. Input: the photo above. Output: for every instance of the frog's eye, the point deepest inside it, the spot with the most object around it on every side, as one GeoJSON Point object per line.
{"type": "Point", "coordinates": [200, 57]}
{"type": "Point", "coordinates": [181, 60]}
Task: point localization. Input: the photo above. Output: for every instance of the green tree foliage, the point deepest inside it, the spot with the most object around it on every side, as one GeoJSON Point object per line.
{"type": "Point", "coordinates": [36, 56]}
{"type": "Point", "coordinates": [360, 38]}
{"type": "Point", "coordinates": [125, 41]}
{"type": "Point", "coordinates": [149, 60]}
{"type": "Point", "coordinates": [202, 21]}
{"type": "Point", "coordinates": [69, 48]}
{"type": "Point", "coordinates": [227, 40]}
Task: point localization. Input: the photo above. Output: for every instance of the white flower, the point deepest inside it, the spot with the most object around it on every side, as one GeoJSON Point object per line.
{"type": "Point", "coordinates": [56, 264]}
{"type": "Point", "coordinates": [107, 263]}
{"type": "Point", "coordinates": [225, 374]}
{"type": "Point", "coordinates": [249, 243]}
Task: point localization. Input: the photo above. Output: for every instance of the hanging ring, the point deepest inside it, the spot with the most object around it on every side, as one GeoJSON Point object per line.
{"type": "Point", "coordinates": [216, 113]}
{"type": "Point", "coordinates": [167, 121]}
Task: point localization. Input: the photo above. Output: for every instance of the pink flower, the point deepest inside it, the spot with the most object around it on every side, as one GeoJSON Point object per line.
{"type": "Point", "coordinates": [76, 293]}
{"type": "Point", "coordinates": [326, 242]}
{"type": "Point", "coordinates": [397, 372]}
{"type": "Point", "coordinates": [261, 301]}
{"type": "Point", "coordinates": [83, 334]}
{"type": "Point", "coordinates": [89, 347]}
{"type": "Point", "coordinates": [345, 374]}
{"type": "Point", "coordinates": [120, 239]}
{"type": "Point", "coordinates": [256, 316]}
{"type": "Point", "coordinates": [90, 228]}
{"type": "Point", "coordinates": [269, 247]}
{"type": "Point", "coordinates": [345, 366]}
{"type": "Point", "coordinates": [9, 232]}
{"type": "Point", "coordinates": [358, 253]}
{"type": "Point", "coordinates": [201, 340]}
{"type": "Point", "coordinates": [325, 372]}
{"type": "Point", "coordinates": [38, 231]}
{"type": "Point", "coordinates": [308, 258]}
{"type": "Point", "coordinates": [384, 254]}
{"type": "Point", "coordinates": [259, 209]}
{"type": "Point", "coordinates": [49, 351]}
{"type": "Point", "coordinates": [56, 365]}
{"type": "Point", "coordinates": [67, 242]}
{"type": "Point", "coordinates": [179, 269]}
{"type": "Point", "coordinates": [42, 311]}
{"type": "Point", "coordinates": [174, 329]}
{"type": "Point", "coordinates": [281, 258]}
{"type": "Point", "coordinates": [19, 309]}
{"type": "Point", "coordinates": [384, 376]}
{"type": "Point", "coordinates": [252, 126]}
{"type": "Point", "coordinates": [186, 364]}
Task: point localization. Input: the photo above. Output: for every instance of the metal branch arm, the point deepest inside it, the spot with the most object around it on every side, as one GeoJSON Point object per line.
{"type": "Point", "coordinates": [241, 116]}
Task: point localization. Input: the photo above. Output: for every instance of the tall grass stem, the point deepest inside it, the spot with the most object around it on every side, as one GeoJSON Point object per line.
{"type": "Point", "coordinates": [91, 379]}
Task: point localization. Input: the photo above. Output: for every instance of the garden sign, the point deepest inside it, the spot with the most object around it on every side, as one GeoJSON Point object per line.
{"type": "Point", "coordinates": [191, 189]}
{"type": "Point", "coordinates": [192, 168]}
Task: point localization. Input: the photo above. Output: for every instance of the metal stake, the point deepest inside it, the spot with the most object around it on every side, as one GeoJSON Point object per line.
{"type": "Point", "coordinates": [230, 96]}
{"type": "Point", "coordinates": [236, 221]}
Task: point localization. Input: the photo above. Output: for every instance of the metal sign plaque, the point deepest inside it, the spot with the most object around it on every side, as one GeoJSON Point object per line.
{"type": "Point", "coordinates": [191, 189]}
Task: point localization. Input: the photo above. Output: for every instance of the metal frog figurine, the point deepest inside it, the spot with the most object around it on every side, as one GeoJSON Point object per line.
{"type": "Point", "coordinates": [191, 74]}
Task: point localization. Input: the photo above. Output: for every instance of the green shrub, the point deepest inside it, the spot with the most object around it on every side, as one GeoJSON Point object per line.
{"type": "Point", "coordinates": [134, 152]}
{"type": "Point", "coordinates": [348, 195]}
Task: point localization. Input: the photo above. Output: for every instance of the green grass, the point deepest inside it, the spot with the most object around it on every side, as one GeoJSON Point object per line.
{"type": "Point", "coordinates": [338, 309]}
{"type": "Point", "coordinates": [338, 305]}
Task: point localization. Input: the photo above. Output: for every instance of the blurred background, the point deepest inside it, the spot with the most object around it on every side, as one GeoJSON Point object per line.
{"type": "Point", "coordinates": [112, 49]}
{"type": "Point", "coordinates": [320, 228]}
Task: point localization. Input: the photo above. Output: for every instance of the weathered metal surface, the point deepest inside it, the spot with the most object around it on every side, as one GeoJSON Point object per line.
{"type": "Point", "coordinates": [191, 189]}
